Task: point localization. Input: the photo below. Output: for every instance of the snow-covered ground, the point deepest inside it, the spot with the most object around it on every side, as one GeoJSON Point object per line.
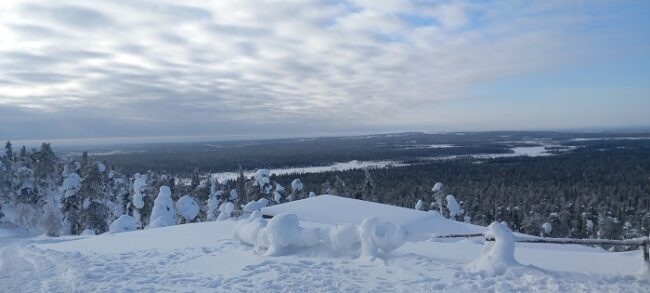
{"type": "Point", "coordinates": [204, 257]}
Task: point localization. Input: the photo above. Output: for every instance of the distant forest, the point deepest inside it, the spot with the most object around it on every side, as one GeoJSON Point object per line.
{"type": "Point", "coordinates": [588, 188]}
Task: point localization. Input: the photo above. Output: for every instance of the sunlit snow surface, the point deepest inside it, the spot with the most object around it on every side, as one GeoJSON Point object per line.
{"type": "Point", "coordinates": [203, 257]}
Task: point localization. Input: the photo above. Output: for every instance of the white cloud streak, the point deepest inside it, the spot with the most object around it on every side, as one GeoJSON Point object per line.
{"type": "Point", "coordinates": [154, 67]}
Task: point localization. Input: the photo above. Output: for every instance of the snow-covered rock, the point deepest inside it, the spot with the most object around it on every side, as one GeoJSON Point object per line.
{"type": "Point", "coordinates": [123, 224]}
{"type": "Point", "coordinates": [497, 256]}
{"type": "Point", "coordinates": [187, 208]}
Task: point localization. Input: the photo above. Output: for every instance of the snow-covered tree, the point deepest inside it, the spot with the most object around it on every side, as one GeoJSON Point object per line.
{"type": "Point", "coordinates": [367, 189]}
{"type": "Point", "coordinates": [71, 204]}
{"type": "Point", "coordinates": [439, 195]}
{"type": "Point", "coordinates": [213, 207]}
{"type": "Point", "coordinates": [139, 185]}
{"type": "Point", "coordinates": [419, 205]}
{"type": "Point", "coordinates": [455, 211]}
{"type": "Point", "coordinates": [163, 213]}
{"type": "Point", "coordinates": [95, 211]}
{"type": "Point", "coordinates": [187, 209]}
{"type": "Point", "coordinates": [296, 189]}
{"type": "Point", "coordinates": [51, 221]}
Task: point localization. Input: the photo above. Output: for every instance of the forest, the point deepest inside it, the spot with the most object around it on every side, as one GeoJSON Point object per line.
{"type": "Point", "coordinates": [599, 189]}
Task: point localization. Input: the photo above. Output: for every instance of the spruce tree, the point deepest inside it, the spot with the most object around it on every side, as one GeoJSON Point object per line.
{"type": "Point", "coordinates": [9, 151]}
{"type": "Point", "coordinates": [94, 213]}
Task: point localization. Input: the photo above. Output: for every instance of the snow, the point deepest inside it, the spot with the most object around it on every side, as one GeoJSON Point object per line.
{"type": "Point", "coordinates": [123, 224]}
{"type": "Point", "coordinates": [101, 167]}
{"type": "Point", "coordinates": [163, 213]}
{"type": "Point", "coordinates": [187, 208]}
{"type": "Point", "coordinates": [233, 195]}
{"type": "Point", "coordinates": [255, 205]}
{"type": "Point", "coordinates": [210, 257]}
{"type": "Point", "coordinates": [262, 177]}
{"type": "Point", "coordinates": [436, 187]}
{"type": "Point", "coordinates": [283, 233]}
{"type": "Point", "coordinates": [419, 205]}
{"type": "Point", "coordinates": [71, 185]}
{"type": "Point", "coordinates": [497, 256]}
{"type": "Point", "coordinates": [380, 236]}
{"type": "Point", "coordinates": [225, 211]}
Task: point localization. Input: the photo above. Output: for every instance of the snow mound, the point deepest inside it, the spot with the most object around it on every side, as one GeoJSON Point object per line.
{"type": "Point", "coordinates": [380, 236]}
{"type": "Point", "coordinates": [497, 256]}
{"type": "Point", "coordinates": [124, 223]}
{"type": "Point", "coordinates": [187, 208]}
{"type": "Point", "coordinates": [283, 233]}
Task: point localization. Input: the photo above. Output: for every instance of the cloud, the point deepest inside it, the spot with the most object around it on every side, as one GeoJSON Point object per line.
{"type": "Point", "coordinates": [208, 67]}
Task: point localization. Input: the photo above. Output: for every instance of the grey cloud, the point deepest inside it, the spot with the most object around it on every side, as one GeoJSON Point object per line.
{"type": "Point", "coordinates": [72, 16]}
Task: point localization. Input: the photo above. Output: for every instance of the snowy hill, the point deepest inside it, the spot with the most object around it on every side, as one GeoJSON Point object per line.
{"type": "Point", "coordinates": [332, 209]}
{"type": "Point", "coordinates": [204, 257]}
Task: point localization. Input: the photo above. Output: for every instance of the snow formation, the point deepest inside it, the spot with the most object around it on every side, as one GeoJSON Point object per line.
{"type": "Point", "coordinates": [123, 224]}
{"type": "Point", "coordinates": [497, 256]}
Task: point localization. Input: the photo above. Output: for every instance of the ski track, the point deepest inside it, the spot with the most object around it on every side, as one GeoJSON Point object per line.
{"type": "Point", "coordinates": [35, 269]}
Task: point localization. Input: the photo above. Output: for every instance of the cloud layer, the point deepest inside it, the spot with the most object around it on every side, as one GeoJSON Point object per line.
{"type": "Point", "coordinates": [128, 68]}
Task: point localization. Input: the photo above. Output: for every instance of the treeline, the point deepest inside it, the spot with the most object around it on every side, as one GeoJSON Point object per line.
{"type": "Point", "coordinates": [593, 192]}
{"type": "Point", "coordinates": [601, 190]}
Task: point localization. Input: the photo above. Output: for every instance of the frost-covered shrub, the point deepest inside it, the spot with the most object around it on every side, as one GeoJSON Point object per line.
{"type": "Point", "coordinates": [496, 257]}
{"type": "Point", "coordinates": [163, 213]}
{"type": "Point", "coordinates": [123, 224]}
{"type": "Point", "coordinates": [225, 210]}
{"type": "Point", "coordinates": [187, 208]}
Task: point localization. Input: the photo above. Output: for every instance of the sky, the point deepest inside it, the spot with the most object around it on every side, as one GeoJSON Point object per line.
{"type": "Point", "coordinates": [171, 68]}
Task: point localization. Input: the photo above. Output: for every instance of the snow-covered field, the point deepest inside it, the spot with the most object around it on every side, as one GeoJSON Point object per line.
{"type": "Point", "coordinates": [204, 257]}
